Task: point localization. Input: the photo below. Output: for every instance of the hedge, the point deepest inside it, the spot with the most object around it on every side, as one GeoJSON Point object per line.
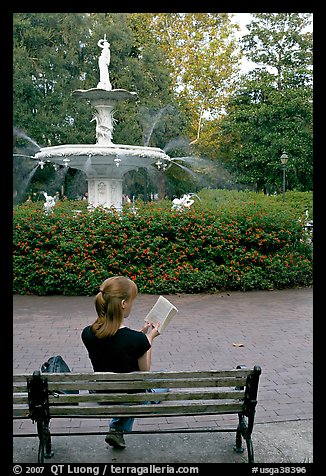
{"type": "Point", "coordinates": [239, 245]}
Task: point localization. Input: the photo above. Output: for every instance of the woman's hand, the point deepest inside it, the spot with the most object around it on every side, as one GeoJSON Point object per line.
{"type": "Point", "coordinates": [148, 325]}
{"type": "Point", "coordinates": [144, 362]}
{"type": "Point", "coordinates": [154, 332]}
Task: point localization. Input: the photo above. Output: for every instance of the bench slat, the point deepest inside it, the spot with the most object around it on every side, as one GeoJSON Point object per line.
{"type": "Point", "coordinates": [20, 398]}
{"type": "Point", "coordinates": [138, 397]}
{"type": "Point", "coordinates": [57, 384]}
{"type": "Point", "coordinates": [146, 410]}
{"type": "Point", "coordinates": [107, 411]}
{"type": "Point", "coordinates": [21, 387]}
{"type": "Point", "coordinates": [75, 376]}
{"type": "Point", "coordinates": [146, 384]}
{"type": "Point", "coordinates": [21, 412]}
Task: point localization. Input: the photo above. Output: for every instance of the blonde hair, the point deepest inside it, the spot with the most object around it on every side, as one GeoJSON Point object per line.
{"type": "Point", "coordinates": [108, 304]}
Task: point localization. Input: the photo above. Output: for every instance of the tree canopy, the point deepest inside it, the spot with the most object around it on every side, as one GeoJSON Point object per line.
{"type": "Point", "coordinates": [271, 109]}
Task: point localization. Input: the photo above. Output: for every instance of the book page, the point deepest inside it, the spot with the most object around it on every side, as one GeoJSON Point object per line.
{"type": "Point", "coordinates": [162, 311]}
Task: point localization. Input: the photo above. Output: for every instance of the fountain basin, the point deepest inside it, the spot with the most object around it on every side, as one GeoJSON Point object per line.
{"type": "Point", "coordinates": [97, 95]}
{"type": "Point", "coordinates": [96, 160]}
{"type": "Point", "coordinates": [104, 166]}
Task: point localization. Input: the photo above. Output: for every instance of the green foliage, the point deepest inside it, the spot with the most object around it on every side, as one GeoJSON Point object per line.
{"type": "Point", "coordinates": [271, 109]}
{"type": "Point", "coordinates": [278, 40]}
{"type": "Point", "coordinates": [296, 202]}
{"type": "Point", "coordinates": [236, 244]}
{"type": "Point", "coordinates": [261, 123]}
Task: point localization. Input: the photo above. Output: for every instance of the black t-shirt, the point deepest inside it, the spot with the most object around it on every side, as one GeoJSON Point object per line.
{"type": "Point", "coordinates": [118, 353]}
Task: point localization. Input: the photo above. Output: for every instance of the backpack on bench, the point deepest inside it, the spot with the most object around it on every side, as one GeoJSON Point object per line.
{"type": "Point", "coordinates": [57, 364]}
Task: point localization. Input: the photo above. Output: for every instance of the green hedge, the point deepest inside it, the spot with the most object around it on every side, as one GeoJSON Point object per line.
{"type": "Point", "coordinates": [237, 244]}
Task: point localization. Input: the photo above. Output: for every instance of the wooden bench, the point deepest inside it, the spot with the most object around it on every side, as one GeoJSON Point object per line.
{"type": "Point", "coordinates": [215, 392]}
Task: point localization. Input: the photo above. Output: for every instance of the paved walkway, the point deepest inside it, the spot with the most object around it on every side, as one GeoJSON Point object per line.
{"type": "Point", "coordinates": [275, 328]}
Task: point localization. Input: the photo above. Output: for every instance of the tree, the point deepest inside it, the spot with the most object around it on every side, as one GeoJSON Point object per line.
{"type": "Point", "coordinates": [47, 58]}
{"type": "Point", "coordinates": [271, 110]}
{"type": "Point", "coordinates": [202, 58]}
{"type": "Point", "coordinates": [47, 62]}
{"type": "Point", "coordinates": [278, 40]}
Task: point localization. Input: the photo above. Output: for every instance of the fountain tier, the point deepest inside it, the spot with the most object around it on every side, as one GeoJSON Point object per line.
{"type": "Point", "coordinates": [104, 166]}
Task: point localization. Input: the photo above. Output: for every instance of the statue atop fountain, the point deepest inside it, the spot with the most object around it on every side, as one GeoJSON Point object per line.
{"type": "Point", "coordinates": [104, 162]}
{"type": "Point", "coordinates": [103, 63]}
{"type": "Point", "coordinates": [103, 98]}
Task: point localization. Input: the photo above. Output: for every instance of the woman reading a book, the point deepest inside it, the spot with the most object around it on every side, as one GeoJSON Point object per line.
{"type": "Point", "coordinates": [114, 347]}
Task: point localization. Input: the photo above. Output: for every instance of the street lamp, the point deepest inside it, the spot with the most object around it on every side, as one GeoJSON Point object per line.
{"type": "Point", "coordinates": [284, 161]}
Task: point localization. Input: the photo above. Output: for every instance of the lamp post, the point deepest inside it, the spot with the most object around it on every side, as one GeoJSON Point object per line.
{"type": "Point", "coordinates": [284, 161]}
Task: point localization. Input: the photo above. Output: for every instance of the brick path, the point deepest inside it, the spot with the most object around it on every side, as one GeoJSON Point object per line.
{"type": "Point", "coordinates": [274, 327]}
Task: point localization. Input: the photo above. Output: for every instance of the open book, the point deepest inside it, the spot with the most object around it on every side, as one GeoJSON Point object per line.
{"type": "Point", "coordinates": [162, 311]}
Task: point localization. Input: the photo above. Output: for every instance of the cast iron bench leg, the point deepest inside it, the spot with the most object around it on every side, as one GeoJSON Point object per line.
{"type": "Point", "coordinates": [41, 436]}
{"type": "Point", "coordinates": [243, 432]}
{"type": "Point", "coordinates": [250, 450]}
{"type": "Point", "coordinates": [44, 449]}
{"type": "Point", "coordinates": [238, 448]}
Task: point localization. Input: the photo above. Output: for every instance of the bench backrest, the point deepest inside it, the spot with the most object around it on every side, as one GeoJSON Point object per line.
{"type": "Point", "coordinates": [190, 393]}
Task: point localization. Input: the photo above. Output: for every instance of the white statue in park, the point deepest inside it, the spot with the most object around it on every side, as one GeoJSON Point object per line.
{"type": "Point", "coordinates": [49, 202]}
{"type": "Point", "coordinates": [103, 62]}
{"type": "Point", "coordinates": [184, 202]}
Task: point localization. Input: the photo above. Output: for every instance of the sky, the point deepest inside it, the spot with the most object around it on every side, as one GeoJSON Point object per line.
{"type": "Point", "coordinates": [243, 19]}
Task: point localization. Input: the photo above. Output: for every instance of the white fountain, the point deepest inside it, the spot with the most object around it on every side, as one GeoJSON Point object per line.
{"type": "Point", "coordinates": [104, 163]}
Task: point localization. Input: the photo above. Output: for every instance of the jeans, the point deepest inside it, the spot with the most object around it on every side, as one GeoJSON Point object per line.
{"type": "Point", "coordinates": [126, 423]}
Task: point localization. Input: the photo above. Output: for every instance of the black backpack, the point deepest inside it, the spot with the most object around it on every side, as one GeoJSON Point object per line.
{"type": "Point", "coordinates": [57, 364]}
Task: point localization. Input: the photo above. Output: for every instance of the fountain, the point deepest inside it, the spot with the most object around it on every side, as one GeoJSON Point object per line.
{"type": "Point", "coordinates": [104, 163]}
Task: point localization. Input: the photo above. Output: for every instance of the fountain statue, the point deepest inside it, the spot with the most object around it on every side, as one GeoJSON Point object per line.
{"type": "Point", "coordinates": [104, 162]}
{"type": "Point", "coordinates": [49, 203]}
{"type": "Point", "coordinates": [103, 63]}
{"type": "Point", "coordinates": [184, 202]}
